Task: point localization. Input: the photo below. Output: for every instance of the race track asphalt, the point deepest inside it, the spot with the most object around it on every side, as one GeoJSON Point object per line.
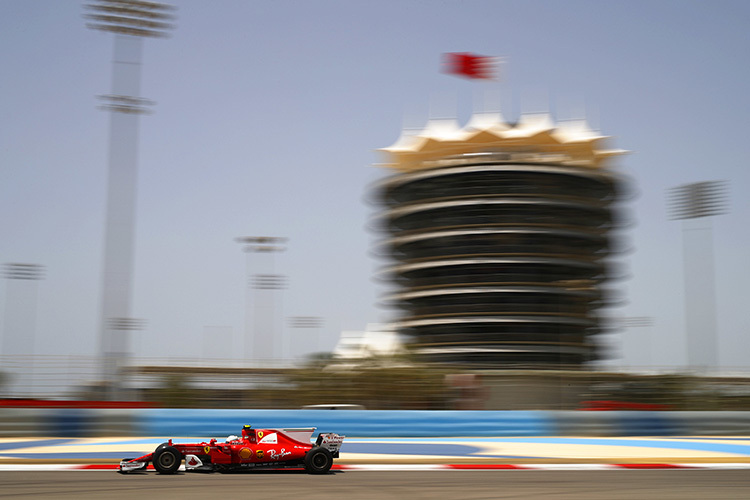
{"type": "Point", "coordinates": [412, 485]}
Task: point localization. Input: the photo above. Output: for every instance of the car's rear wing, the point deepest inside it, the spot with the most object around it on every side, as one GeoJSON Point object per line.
{"type": "Point", "coordinates": [303, 435]}
{"type": "Point", "coordinates": [331, 442]}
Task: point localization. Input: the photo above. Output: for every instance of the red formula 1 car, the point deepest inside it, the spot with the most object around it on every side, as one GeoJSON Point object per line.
{"type": "Point", "coordinates": [257, 448]}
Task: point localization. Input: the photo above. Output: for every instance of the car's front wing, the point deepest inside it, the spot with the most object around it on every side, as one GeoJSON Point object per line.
{"type": "Point", "coordinates": [134, 464]}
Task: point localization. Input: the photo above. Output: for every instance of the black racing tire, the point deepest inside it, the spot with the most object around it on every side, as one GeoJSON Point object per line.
{"type": "Point", "coordinates": [167, 460]}
{"type": "Point", "coordinates": [318, 461]}
{"type": "Point", "coordinates": [161, 446]}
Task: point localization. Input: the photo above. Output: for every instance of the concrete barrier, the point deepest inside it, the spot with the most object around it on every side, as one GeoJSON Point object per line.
{"type": "Point", "coordinates": [17, 422]}
{"type": "Point", "coordinates": [370, 423]}
{"type": "Point", "coordinates": [83, 422]}
{"type": "Point", "coordinates": [620, 423]}
{"type": "Point", "coordinates": [719, 423]}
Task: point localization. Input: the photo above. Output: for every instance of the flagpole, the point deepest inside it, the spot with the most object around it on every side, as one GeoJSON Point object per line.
{"type": "Point", "coordinates": [476, 67]}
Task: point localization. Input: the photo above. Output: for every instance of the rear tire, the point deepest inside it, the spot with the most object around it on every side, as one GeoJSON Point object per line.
{"type": "Point", "coordinates": [318, 461]}
{"type": "Point", "coordinates": [167, 460]}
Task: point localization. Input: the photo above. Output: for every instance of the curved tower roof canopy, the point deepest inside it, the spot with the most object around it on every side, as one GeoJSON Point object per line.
{"type": "Point", "coordinates": [567, 143]}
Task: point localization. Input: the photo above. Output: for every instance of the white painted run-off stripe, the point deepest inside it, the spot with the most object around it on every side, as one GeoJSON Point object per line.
{"type": "Point", "coordinates": [395, 467]}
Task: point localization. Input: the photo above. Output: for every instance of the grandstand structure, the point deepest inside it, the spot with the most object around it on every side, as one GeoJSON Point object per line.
{"type": "Point", "coordinates": [499, 240]}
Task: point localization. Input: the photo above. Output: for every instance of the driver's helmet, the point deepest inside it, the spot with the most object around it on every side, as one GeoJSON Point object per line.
{"type": "Point", "coordinates": [246, 431]}
{"type": "Point", "coordinates": [231, 438]}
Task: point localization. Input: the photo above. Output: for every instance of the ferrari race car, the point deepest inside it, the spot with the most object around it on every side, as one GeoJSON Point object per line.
{"type": "Point", "coordinates": [257, 448]}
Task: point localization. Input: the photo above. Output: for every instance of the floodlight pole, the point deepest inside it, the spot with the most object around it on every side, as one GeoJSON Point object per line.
{"type": "Point", "coordinates": [309, 322]}
{"type": "Point", "coordinates": [20, 323]}
{"type": "Point", "coordinates": [694, 204]}
{"type": "Point", "coordinates": [130, 21]}
{"type": "Point", "coordinates": [637, 322]}
{"type": "Point", "coordinates": [259, 342]}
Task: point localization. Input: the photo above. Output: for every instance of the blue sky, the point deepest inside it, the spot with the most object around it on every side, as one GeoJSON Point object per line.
{"type": "Point", "coordinates": [266, 122]}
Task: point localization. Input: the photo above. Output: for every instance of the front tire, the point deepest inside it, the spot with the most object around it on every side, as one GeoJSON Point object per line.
{"type": "Point", "coordinates": [318, 461]}
{"type": "Point", "coordinates": [167, 460]}
{"type": "Point", "coordinates": [163, 445]}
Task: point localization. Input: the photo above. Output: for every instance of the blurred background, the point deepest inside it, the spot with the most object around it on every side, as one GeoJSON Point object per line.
{"type": "Point", "coordinates": [193, 211]}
